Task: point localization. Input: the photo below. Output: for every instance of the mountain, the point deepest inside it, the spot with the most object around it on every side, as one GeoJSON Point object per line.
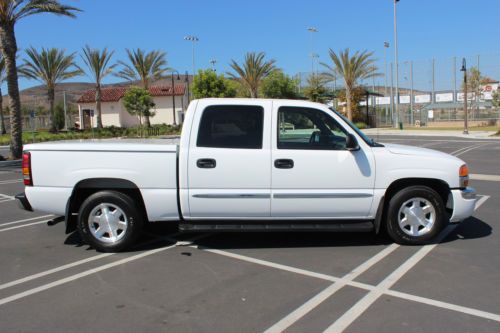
{"type": "Point", "coordinates": [35, 97]}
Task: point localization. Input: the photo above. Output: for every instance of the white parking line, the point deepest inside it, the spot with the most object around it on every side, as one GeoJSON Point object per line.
{"type": "Point", "coordinates": [24, 225]}
{"type": "Point", "coordinates": [491, 178]}
{"type": "Point", "coordinates": [312, 303]}
{"type": "Point", "coordinates": [10, 181]}
{"type": "Point", "coordinates": [360, 285]}
{"type": "Point", "coordinates": [89, 272]}
{"type": "Point", "coordinates": [54, 270]}
{"type": "Point", "coordinates": [5, 196]}
{"type": "Point", "coordinates": [73, 264]}
{"type": "Point", "coordinates": [25, 220]}
{"type": "Point", "coordinates": [363, 304]}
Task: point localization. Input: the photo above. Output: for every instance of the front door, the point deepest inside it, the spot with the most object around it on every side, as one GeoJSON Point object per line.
{"type": "Point", "coordinates": [313, 174]}
{"type": "Point", "coordinates": [228, 163]}
{"type": "Point", "coordinates": [86, 119]}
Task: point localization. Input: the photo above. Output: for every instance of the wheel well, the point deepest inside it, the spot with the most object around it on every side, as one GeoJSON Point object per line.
{"type": "Point", "coordinates": [437, 185]}
{"type": "Point", "coordinates": [87, 187]}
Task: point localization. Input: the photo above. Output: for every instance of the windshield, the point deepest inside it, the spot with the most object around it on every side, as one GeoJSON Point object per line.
{"type": "Point", "coordinates": [365, 137]}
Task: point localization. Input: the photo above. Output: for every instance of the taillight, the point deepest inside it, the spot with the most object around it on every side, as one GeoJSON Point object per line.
{"type": "Point", "coordinates": [26, 165]}
{"type": "Point", "coordinates": [463, 174]}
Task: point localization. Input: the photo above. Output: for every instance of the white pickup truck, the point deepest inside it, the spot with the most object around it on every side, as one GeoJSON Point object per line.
{"type": "Point", "coordinates": [248, 165]}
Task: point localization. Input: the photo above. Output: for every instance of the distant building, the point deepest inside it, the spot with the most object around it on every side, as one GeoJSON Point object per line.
{"type": "Point", "coordinates": [115, 114]}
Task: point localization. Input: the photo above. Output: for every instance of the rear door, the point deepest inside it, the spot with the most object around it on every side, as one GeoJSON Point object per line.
{"type": "Point", "coordinates": [229, 174]}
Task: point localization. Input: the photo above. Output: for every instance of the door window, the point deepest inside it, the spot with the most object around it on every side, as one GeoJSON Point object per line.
{"type": "Point", "coordinates": [306, 128]}
{"type": "Point", "coordinates": [231, 126]}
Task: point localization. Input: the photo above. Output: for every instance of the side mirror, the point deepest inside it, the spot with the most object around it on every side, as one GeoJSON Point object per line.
{"type": "Point", "coordinates": [351, 143]}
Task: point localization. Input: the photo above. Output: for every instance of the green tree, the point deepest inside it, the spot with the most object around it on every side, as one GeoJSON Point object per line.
{"type": "Point", "coordinates": [50, 67]}
{"type": "Point", "coordinates": [316, 90]}
{"type": "Point", "coordinates": [252, 71]}
{"type": "Point", "coordinates": [98, 65]}
{"type": "Point", "coordinates": [2, 79]}
{"type": "Point", "coordinates": [143, 67]}
{"type": "Point", "coordinates": [58, 119]}
{"type": "Point", "coordinates": [279, 85]}
{"type": "Point", "coordinates": [138, 102]}
{"type": "Point", "coordinates": [11, 12]}
{"type": "Point", "coordinates": [352, 69]}
{"type": "Point", "coordinates": [496, 99]}
{"type": "Point", "coordinates": [208, 84]}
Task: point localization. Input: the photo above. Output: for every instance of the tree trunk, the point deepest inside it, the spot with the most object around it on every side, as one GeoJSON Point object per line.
{"type": "Point", "coordinates": [98, 106]}
{"type": "Point", "coordinates": [145, 84]}
{"type": "Point", "coordinates": [348, 102]}
{"type": "Point", "coordinates": [2, 128]}
{"type": "Point", "coordinates": [51, 97]}
{"type": "Point", "coordinates": [8, 46]}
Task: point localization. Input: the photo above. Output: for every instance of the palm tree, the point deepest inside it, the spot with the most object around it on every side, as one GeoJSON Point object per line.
{"type": "Point", "coordinates": [11, 11]}
{"type": "Point", "coordinates": [144, 67]}
{"type": "Point", "coordinates": [352, 68]}
{"type": "Point", "coordinates": [253, 70]}
{"type": "Point", "coordinates": [315, 90]}
{"type": "Point", "coordinates": [2, 79]}
{"type": "Point", "coordinates": [99, 67]}
{"type": "Point", "coordinates": [51, 66]}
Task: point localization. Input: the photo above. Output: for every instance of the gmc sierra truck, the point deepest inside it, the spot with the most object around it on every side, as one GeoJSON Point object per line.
{"type": "Point", "coordinates": [248, 165]}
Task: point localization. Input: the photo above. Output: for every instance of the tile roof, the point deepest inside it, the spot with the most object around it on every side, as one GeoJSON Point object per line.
{"type": "Point", "coordinates": [116, 93]}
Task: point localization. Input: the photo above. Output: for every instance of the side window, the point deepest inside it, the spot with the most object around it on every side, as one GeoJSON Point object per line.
{"type": "Point", "coordinates": [231, 126]}
{"type": "Point", "coordinates": [306, 128]}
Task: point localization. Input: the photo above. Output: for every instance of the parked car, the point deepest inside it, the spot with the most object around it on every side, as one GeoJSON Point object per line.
{"type": "Point", "coordinates": [248, 165]}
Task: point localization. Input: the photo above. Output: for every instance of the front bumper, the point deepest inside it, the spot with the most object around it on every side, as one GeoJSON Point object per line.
{"type": "Point", "coordinates": [23, 202]}
{"type": "Point", "coordinates": [463, 203]}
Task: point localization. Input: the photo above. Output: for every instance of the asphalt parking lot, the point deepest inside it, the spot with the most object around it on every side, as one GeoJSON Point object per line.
{"type": "Point", "coordinates": [253, 282]}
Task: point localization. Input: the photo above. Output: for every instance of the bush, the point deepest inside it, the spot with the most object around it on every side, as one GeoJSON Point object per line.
{"type": "Point", "coordinates": [361, 125]}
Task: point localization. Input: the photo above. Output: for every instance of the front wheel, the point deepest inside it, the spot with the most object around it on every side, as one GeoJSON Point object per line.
{"type": "Point", "coordinates": [109, 221]}
{"type": "Point", "coordinates": [415, 215]}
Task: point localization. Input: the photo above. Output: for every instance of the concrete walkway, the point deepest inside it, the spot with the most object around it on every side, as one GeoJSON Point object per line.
{"type": "Point", "coordinates": [452, 133]}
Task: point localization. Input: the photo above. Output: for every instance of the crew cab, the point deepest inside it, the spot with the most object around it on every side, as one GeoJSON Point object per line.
{"type": "Point", "coordinates": [248, 165]}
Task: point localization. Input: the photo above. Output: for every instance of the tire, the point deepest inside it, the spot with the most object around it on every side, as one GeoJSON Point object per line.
{"type": "Point", "coordinates": [121, 227]}
{"type": "Point", "coordinates": [415, 215]}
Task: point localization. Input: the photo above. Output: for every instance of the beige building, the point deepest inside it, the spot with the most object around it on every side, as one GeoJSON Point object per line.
{"type": "Point", "coordinates": [115, 114]}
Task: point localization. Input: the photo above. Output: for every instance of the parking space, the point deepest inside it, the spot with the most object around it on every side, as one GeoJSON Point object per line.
{"type": "Point", "coordinates": [253, 282]}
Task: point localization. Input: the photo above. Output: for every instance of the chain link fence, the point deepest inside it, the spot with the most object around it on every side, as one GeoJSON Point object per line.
{"type": "Point", "coordinates": [431, 92]}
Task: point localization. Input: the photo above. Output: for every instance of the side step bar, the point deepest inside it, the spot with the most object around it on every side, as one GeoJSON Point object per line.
{"type": "Point", "coordinates": [364, 226]}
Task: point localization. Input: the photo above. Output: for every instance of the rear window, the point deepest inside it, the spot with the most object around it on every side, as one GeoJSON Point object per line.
{"type": "Point", "coordinates": [231, 126]}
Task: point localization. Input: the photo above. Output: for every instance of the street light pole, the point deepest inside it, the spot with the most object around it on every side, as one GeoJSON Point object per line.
{"type": "Point", "coordinates": [386, 46]}
{"type": "Point", "coordinates": [193, 40]}
{"type": "Point", "coordinates": [466, 115]}
{"type": "Point", "coordinates": [312, 30]}
{"type": "Point", "coordinates": [400, 118]}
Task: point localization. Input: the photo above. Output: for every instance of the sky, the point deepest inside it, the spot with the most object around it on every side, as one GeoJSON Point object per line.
{"type": "Point", "coordinates": [227, 29]}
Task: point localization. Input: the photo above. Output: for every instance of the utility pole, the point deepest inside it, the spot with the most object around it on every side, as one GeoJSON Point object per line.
{"type": "Point", "coordinates": [466, 115]}
{"type": "Point", "coordinates": [400, 118]}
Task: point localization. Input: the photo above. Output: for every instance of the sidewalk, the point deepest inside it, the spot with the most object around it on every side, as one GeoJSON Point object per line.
{"type": "Point", "coordinates": [489, 135]}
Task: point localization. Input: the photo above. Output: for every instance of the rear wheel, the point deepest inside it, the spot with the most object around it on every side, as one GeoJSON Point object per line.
{"type": "Point", "coordinates": [109, 221]}
{"type": "Point", "coordinates": [415, 215]}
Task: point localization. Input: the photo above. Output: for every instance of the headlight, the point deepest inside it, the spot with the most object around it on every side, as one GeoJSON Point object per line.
{"type": "Point", "coordinates": [463, 174]}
